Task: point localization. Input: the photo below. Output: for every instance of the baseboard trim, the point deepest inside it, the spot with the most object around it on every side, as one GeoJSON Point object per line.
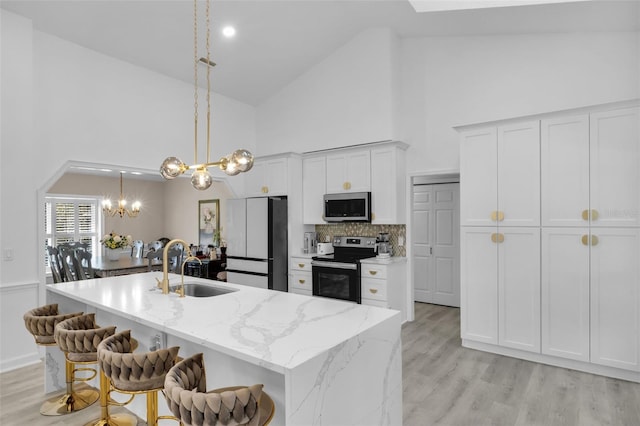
{"type": "Point", "coordinates": [19, 362]}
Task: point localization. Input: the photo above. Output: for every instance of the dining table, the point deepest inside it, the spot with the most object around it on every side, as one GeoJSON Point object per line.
{"type": "Point", "coordinates": [104, 267]}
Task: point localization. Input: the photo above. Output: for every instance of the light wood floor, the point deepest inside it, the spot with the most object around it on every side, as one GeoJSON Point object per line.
{"type": "Point", "coordinates": [444, 384]}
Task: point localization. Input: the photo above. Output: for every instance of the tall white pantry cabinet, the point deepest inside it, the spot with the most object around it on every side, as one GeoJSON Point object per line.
{"type": "Point", "coordinates": [550, 238]}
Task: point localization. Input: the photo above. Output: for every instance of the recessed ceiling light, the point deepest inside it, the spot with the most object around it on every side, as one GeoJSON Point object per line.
{"type": "Point", "coordinates": [228, 31]}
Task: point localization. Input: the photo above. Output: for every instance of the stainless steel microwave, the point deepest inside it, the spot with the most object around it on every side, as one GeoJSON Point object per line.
{"type": "Point", "coordinates": [348, 207]}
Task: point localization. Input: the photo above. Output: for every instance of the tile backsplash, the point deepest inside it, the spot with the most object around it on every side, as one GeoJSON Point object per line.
{"type": "Point", "coordinates": [356, 229]}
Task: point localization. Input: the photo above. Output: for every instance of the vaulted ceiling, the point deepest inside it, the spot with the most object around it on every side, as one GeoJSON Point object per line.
{"type": "Point", "coordinates": [277, 41]}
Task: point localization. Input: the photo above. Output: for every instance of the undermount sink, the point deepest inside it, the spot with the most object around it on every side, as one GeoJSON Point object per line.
{"type": "Point", "coordinates": [201, 290]}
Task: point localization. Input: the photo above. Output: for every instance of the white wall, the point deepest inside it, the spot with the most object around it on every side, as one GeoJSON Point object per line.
{"type": "Point", "coordinates": [63, 102]}
{"type": "Point", "coordinates": [450, 81]}
{"type": "Point", "coordinates": [346, 99]}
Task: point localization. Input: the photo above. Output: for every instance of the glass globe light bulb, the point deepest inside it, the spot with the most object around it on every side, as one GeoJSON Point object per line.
{"type": "Point", "coordinates": [232, 167]}
{"type": "Point", "coordinates": [172, 167]}
{"type": "Point", "coordinates": [243, 159]}
{"type": "Point", "coordinates": [201, 179]}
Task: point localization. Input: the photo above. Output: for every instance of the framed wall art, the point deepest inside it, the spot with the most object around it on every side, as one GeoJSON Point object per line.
{"type": "Point", "coordinates": [208, 222]}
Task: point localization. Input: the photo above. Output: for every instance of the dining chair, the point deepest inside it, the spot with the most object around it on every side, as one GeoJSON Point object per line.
{"type": "Point", "coordinates": [174, 256]}
{"type": "Point", "coordinates": [137, 248]}
{"type": "Point", "coordinates": [154, 255]}
{"type": "Point", "coordinates": [83, 265]}
{"type": "Point", "coordinates": [67, 257]}
{"type": "Point", "coordinates": [56, 265]}
{"type": "Point", "coordinates": [156, 246]}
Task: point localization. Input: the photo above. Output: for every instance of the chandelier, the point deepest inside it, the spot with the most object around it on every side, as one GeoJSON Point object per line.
{"type": "Point", "coordinates": [122, 209]}
{"type": "Point", "coordinates": [240, 160]}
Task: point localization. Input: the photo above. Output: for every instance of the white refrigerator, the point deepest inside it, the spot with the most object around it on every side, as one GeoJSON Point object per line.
{"type": "Point", "coordinates": [256, 233]}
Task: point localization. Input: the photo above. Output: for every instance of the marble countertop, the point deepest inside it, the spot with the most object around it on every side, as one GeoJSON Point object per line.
{"type": "Point", "coordinates": [272, 329]}
{"type": "Point", "coordinates": [382, 261]}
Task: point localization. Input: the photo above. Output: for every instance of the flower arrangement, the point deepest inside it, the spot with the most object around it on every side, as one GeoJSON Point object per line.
{"type": "Point", "coordinates": [115, 241]}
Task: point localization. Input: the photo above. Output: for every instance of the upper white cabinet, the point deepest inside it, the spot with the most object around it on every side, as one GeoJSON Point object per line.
{"type": "Point", "coordinates": [388, 185]}
{"type": "Point", "coordinates": [615, 168]}
{"type": "Point", "coordinates": [314, 172]}
{"type": "Point", "coordinates": [378, 168]}
{"type": "Point", "coordinates": [269, 176]}
{"type": "Point", "coordinates": [565, 170]}
{"type": "Point", "coordinates": [349, 171]}
{"type": "Point", "coordinates": [500, 168]}
{"type": "Point", "coordinates": [591, 169]}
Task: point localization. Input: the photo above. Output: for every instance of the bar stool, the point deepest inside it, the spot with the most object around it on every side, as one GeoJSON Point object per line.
{"type": "Point", "coordinates": [41, 323]}
{"type": "Point", "coordinates": [136, 373]}
{"type": "Point", "coordinates": [78, 338]}
{"type": "Point", "coordinates": [186, 393]}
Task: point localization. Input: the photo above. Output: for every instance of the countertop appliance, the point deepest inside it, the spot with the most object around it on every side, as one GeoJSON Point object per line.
{"type": "Point", "coordinates": [347, 207]}
{"type": "Point", "coordinates": [338, 275]}
{"type": "Point", "coordinates": [383, 245]}
{"type": "Point", "coordinates": [325, 248]}
{"type": "Point", "coordinates": [256, 232]}
{"type": "Point", "coordinates": [310, 242]}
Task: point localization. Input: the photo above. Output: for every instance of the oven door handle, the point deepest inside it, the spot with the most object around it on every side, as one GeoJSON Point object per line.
{"type": "Point", "coordinates": [335, 265]}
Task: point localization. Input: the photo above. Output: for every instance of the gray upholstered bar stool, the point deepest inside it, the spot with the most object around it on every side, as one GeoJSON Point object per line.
{"type": "Point", "coordinates": [187, 396]}
{"type": "Point", "coordinates": [41, 323]}
{"type": "Point", "coordinates": [78, 338]}
{"type": "Point", "coordinates": [136, 373]}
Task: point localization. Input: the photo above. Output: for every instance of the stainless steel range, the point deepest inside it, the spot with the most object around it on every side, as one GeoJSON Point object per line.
{"type": "Point", "coordinates": [338, 275]}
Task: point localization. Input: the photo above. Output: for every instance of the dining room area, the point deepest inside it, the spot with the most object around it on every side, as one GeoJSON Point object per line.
{"type": "Point", "coordinates": [108, 221]}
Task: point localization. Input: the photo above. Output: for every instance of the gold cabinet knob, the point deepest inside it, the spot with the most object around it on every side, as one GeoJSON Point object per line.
{"type": "Point", "coordinates": [494, 216]}
{"type": "Point", "coordinates": [373, 216]}
{"type": "Point", "coordinates": [500, 216]}
{"type": "Point", "coordinates": [594, 240]}
{"type": "Point", "coordinates": [497, 237]}
{"type": "Point", "coordinates": [346, 186]}
{"type": "Point", "coordinates": [373, 272]}
{"type": "Point", "coordinates": [585, 214]}
{"type": "Point", "coordinates": [594, 215]}
{"type": "Point", "coordinates": [373, 290]}
{"type": "Point", "coordinates": [585, 240]}
{"type": "Point", "coordinates": [265, 189]}
{"type": "Point", "coordinates": [300, 265]}
{"type": "Point", "coordinates": [301, 281]}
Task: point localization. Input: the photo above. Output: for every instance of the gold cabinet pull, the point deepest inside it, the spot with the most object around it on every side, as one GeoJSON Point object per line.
{"type": "Point", "coordinates": [265, 189]}
{"type": "Point", "coordinates": [301, 281]}
{"type": "Point", "coordinates": [346, 185]}
{"type": "Point", "coordinates": [373, 216]}
{"type": "Point", "coordinates": [497, 238]}
{"type": "Point", "coordinates": [373, 272]}
{"type": "Point", "coordinates": [494, 216]}
{"type": "Point", "coordinates": [300, 265]}
{"type": "Point", "coordinates": [373, 290]}
{"type": "Point", "coordinates": [594, 240]}
{"type": "Point", "coordinates": [500, 216]}
{"type": "Point", "coordinates": [594, 214]}
{"type": "Point", "coordinates": [585, 240]}
{"type": "Point", "coordinates": [585, 214]}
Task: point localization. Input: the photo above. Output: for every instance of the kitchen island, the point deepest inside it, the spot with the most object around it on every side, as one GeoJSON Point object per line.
{"type": "Point", "coordinates": [323, 361]}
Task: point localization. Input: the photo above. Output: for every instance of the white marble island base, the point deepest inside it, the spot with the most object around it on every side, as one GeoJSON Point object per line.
{"type": "Point", "coordinates": [324, 362]}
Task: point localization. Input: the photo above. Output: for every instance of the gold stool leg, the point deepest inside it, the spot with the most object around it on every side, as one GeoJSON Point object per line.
{"type": "Point", "coordinates": [73, 400]}
{"type": "Point", "coordinates": [121, 419]}
{"type": "Point", "coordinates": [152, 408]}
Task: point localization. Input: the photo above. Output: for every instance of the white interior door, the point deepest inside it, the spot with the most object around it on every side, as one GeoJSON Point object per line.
{"type": "Point", "coordinates": [436, 248]}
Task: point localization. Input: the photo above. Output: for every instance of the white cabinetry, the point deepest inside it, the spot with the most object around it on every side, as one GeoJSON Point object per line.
{"type": "Point", "coordinates": [349, 171]}
{"type": "Point", "coordinates": [301, 276]}
{"type": "Point", "coordinates": [388, 185]}
{"type": "Point", "coordinates": [314, 173]}
{"type": "Point", "coordinates": [383, 284]}
{"type": "Point", "coordinates": [269, 176]}
{"type": "Point", "coordinates": [500, 167]}
{"type": "Point", "coordinates": [378, 168]}
{"type": "Point", "coordinates": [558, 278]}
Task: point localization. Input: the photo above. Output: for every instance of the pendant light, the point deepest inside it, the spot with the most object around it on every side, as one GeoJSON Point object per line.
{"type": "Point", "coordinates": [239, 161]}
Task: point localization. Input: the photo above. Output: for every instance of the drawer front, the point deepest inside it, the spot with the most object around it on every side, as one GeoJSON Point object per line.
{"type": "Point", "coordinates": [246, 265]}
{"type": "Point", "coordinates": [374, 289]}
{"type": "Point", "coordinates": [301, 280]}
{"type": "Point", "coordinates": [374, 271]}
{"type": "Point", "coordinates": [300, 264]}
{"type": "Point", "coordinates": [300, 291]}
{"type": "Point", "coordinates": [378, 303]}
